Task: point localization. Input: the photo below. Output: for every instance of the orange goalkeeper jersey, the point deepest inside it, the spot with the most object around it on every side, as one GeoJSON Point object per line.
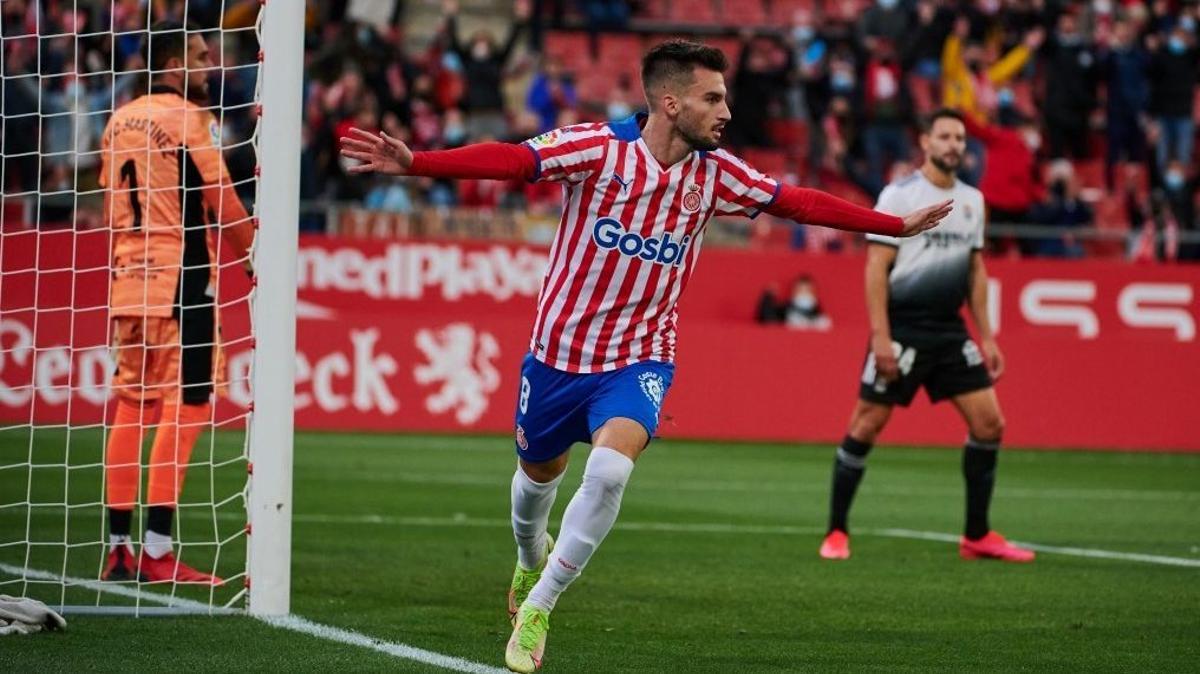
{"type": "Point", "coordinates": [167, 184]}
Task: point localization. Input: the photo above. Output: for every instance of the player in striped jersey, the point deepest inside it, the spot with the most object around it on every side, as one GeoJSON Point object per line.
{"type": "Point", "coordinates": [638, 195]}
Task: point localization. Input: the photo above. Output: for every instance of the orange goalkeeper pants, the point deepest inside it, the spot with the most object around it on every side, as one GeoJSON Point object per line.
{"type": "Point", "coordinates": [178, 429]}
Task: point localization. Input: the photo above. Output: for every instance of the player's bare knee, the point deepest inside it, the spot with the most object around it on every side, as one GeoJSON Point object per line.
{"type": "Point", "coordinates": [868, 421]}
{"type": "Point", "coordinates": [623, 435]}
{"type": "Point", "coordinates": [545, 471]}
{"type": "Point", "coordinates": [989, 428]}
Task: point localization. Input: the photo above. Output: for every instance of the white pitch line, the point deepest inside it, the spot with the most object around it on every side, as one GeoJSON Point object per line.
{"type": "Point", "coordinates": [293, 623]}
{"type": "Point", "coordinates": [1076, 552]}
{"type": "Point", "coordinates": [304, 626]}
{"type": "Point", "coordinates": [758, 487]}
{"type": "Point", "coordinates": [461, 520]}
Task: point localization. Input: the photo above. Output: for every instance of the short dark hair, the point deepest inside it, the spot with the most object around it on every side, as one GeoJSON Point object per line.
{"type": "Point", "coordinates": [167, 40]}
{"type": "Point", "coordinates": [941, 113]}
{"type": "Point", "coordinates": [675, 59]}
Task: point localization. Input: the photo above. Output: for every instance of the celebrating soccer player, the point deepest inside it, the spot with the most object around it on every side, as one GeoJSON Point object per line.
{"type": "Point", "coordinates": [638, 195]}
{"type": "Point", "coordinates": [915, 291]}
{"type": "Point", "coordinates": [167, 186]}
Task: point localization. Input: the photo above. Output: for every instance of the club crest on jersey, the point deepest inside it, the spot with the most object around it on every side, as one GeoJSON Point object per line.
{"type": "Point", "coordinates": [610, 234]}
{"type": "Point", "coordinates": [521, 441]}
{"type": "Point", "coordinates": [653, 386]}
{"type": "Point", "coordinates": [692, 199]}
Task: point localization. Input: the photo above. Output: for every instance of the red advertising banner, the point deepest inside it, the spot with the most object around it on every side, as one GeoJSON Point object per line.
{"type": "Point", "coordinates": [428, 336]}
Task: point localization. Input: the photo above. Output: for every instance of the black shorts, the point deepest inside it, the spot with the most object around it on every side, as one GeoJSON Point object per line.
{"type": "Point", "coordinates": [945, 370]}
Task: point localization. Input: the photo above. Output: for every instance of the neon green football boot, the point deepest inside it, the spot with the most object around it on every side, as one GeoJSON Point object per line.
{"type": "Point", "coordinates": [523, 581]}
{"type": "Point", "coordinates": [528, 640]}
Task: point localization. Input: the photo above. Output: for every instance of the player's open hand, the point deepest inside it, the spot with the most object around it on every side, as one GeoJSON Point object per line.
{"type": "Point", "coordinates": [378, 152]}
{"type": "Point", "coordinates": [926, 218]}
{"type": "Point", "coordinates": [993, 359]}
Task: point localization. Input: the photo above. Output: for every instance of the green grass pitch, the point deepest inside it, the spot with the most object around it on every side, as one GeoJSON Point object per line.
{"type": "Point", "coordinates": [712, 566]}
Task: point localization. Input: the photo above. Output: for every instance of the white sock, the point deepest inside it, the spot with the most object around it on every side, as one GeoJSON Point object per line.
{"type": "Point", "coordinates": [531, 502]}
{"type": "Point", "coordinates": [589, 517]}
{"type": "Point", "coordinates": [155, 544]}
{"type": "Point", "coordinates": [115, 541]}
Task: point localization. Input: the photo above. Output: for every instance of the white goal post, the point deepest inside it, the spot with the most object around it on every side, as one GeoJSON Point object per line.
{"type": "Point", "coordinates": [270, 505]}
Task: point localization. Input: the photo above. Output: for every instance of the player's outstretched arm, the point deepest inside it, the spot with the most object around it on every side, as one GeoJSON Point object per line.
{"type": "Point", "coordinates": [484, 161]}
{"type": "Point", "coordinates": [818, 208]}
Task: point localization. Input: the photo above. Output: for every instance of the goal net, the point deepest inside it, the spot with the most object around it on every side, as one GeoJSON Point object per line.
{"type": "Point", "coordinates": [111, 252]}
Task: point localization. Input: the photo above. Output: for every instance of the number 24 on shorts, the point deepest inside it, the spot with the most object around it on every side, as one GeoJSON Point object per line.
{"type": "Point", "coordinates": [904, 362]}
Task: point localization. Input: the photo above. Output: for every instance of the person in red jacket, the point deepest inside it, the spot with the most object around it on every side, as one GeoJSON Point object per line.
{"type": "Point", "coordinates": [1010, 182]}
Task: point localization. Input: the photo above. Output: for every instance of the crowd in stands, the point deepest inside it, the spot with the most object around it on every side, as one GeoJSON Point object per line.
{"type": "Point", "coordinates": [1081, 112]}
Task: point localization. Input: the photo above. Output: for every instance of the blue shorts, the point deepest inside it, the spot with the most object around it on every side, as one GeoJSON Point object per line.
{"type": "Point", "coordinates": [556, 409]}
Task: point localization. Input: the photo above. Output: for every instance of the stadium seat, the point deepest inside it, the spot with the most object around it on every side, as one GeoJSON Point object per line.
{"type": "Point", "coordinates": [731, 46]}
{"type": "Point", "coordinates": [571, 48]}
{"type": "Point", "coordinates": [743, 13]}
{"type": "Point", "coordinates": [621, 53]}
{"type": "Point", "coordinates": [594, 85]}
{"type": "Point", "coordinates": [769, 161]}
{"type": "Point", "coordinates": [1109, 214]}
{"type": "Point", "coordinates": [701, 12]}
{"type": "Point", "coordinates": [781, 11]}
{"type": "Point", "coordinates": [842, 187]}
{"type": "Point", "coordinates": [1090, 173]}
{"type": "Point", "coordinates": [789, 135]}
{"type": "Point", "coordinates": [1136, 173]}
{"type": "Point", "coordinates": [844, 9]}
{"type": "Point", "coordinates": [656, 10]}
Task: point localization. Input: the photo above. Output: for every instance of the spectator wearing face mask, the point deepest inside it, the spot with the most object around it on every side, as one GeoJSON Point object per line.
{"type": "Point", "coordinates": [1179, 195]}
{"type": "Point", "coordinates": [1062, 208]}
{"type": "Point", "coordinates": [620, 99]}
{"type": "Point", "coordinates": [1070, 89]}
{"type": "Point", "coordinates": [969, 81]}
{"type": "Point", "coordinates": [483, 63]}
{"type": "Point", "coordinates": [1174, 67]}
{"type": "Point", "coordinates": [803, 311]}
{"type": "Point", "coordinates": [1124, 66]}
{"type": "Point", "coordinates": [810, 53]}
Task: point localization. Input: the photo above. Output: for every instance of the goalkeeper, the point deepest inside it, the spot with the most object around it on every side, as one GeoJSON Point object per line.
{"type": "Point", "coordinates": [168, 201]}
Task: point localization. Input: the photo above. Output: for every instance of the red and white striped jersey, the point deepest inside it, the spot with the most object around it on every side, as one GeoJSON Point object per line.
{"type": "Point", "coordinates": [627, 242]}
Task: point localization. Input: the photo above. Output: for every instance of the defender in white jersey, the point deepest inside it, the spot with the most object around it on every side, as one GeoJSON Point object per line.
{"type": "Point", "coordinates": [638, 194]}
{"type": "Point", "coordinates": [915, 292]}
